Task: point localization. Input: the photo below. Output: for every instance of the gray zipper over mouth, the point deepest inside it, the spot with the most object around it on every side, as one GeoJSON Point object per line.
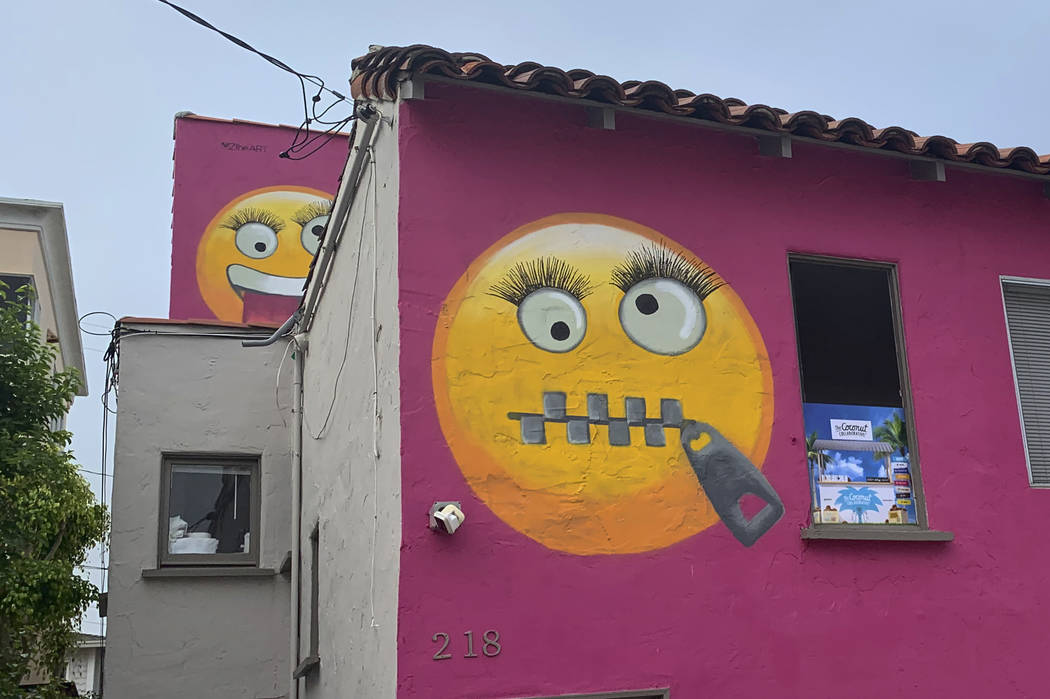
{"type": "Point", "coordinates": [577, 427]}
{"type": "Point", "coordinates": [723, 471]}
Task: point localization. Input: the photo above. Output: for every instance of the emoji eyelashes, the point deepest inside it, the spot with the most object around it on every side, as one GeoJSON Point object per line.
{"type": "Point", "coordinates": [260, 245]}
{"type": "Point", "coordinates": [554, 328]}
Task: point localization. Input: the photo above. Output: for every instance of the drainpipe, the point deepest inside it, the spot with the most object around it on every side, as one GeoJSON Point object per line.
{"type": "Point", "coordinates": [298, 346]}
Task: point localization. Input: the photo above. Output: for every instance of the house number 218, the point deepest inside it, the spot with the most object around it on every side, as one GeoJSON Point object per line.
{"type": "Point", "coordinates": [490, 646]}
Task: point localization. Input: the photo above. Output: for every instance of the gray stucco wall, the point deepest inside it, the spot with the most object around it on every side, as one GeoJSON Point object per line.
{"type": "Point", "coordinates": [222, 637]}
{"type": "Point", "coordinates": [355, 497]}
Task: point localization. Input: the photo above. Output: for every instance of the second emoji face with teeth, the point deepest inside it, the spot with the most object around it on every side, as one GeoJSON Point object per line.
{"type": "Point", "coordinates": [565, 360]}
{"type": "Point", "coordinates": [260, 243]}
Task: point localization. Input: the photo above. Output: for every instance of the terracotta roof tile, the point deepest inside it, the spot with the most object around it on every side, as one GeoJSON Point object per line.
{"type": "Point", "coordinates": [376, 76]}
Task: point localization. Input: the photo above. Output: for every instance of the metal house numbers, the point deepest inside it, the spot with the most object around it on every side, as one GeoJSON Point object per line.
{"type": "Point", "coordinates": [489, 645]}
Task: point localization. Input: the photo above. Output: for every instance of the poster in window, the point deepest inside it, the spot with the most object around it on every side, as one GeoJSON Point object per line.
{"type": "Point", "coordinates": [859, 464]}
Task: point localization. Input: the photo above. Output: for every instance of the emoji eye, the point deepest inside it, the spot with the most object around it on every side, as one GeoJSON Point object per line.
{"type": "Point", "coordinates": [552, 319]}
{"type": "Point", "coordinates": [312, 231]}
{"type": "Point", "coordinates": [256, 239]}
{"type": "Point", "coordinates": [663, 315]}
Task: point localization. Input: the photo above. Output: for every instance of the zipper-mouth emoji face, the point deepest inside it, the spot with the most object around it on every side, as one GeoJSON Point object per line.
{"type": "Point", "coordinates": [566, 360]}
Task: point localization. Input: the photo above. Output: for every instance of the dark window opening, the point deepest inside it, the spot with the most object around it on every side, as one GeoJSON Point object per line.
{"type": "Point", "coordinates": [856, 409]}
{"type": "Point", "coordinates": [210, 510]}
{"type": "Point", "coordinates": [18, 289]}
{"type": "Point", "coordinates": [846, 337]}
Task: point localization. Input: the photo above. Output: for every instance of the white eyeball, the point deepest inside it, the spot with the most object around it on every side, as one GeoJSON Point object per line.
{"type": "Point", "coordinates": [256, 240]}
{"type": "Point", "coordinates": [552, 319]}
{"type": "Point", "coordinates": [663, 315]}
{"type": "Point", "coordinates": [311, 235]}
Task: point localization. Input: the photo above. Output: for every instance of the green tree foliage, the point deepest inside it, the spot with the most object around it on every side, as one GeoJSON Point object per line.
{"type": "Point", "coordinates": [49, 519]}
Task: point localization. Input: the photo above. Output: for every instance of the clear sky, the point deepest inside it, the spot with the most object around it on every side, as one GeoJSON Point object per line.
{"type": "Point", "coordinates": [89, 90]}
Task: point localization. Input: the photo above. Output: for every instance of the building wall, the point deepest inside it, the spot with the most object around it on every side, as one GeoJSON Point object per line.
{"type": "Point", "coordinates": [352, 494]}
{"type": "Point", "coordinates": [219, 637]}
{"type": "Point", "coordinates": [699, 612]}
{"type": "Point", "coordinates": [20, 253]}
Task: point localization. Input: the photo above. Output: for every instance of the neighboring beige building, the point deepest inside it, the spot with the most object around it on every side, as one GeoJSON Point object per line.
{"type": "Point", "coordinates": [34, 250]}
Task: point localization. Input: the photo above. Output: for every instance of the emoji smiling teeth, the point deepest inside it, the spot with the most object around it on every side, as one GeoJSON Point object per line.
{"type": "Point", "coordinates": [244, 279]}
{"type": "Point", "coordinates": [577, 427]}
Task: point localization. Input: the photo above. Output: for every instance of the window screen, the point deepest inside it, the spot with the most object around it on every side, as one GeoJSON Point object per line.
{"type": "Point", "coordinates": [1028, 322]}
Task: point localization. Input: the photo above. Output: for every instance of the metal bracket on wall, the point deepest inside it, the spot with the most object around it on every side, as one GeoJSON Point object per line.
{"type": "Point", "coordinates": [927, 170]}
{"type": "Point", "coordinates": [437, 507]}
{"type": "Point", "coordinates": [412, 88]}
{"type": "Point", "coordinates": [774, 146]}
{"type": "Point", "coordinates": [601, 118]}
{"type": "Point", "coordinates": [286, 565]}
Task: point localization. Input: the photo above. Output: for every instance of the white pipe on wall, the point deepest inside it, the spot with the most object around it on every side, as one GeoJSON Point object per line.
{"type": "Point", "coordinates": [298, 347]}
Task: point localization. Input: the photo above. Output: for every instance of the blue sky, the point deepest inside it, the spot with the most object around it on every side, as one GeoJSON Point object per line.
{"type": "Point", "coordinates": [90, 89]}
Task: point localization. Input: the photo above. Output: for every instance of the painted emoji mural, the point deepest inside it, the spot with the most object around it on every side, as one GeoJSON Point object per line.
{"type": "Point", "coordinates": [243, 218]}
{"type": "Point", "coordinates": [258, 248]}
{"type": "Point", "coordinates": [603, 390]}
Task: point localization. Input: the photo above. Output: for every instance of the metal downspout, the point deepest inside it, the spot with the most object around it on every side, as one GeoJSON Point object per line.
{"type": "Point", "coordinates": [298, 346]}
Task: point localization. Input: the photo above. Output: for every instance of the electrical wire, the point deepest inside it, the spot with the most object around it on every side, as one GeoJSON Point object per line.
{"type": "Point", "coordinates": [245, 45]}
{"type": "Point", "coordinates": [107, 332]}
{"type": "Point", "coordinates": [110, 358]}
{"type": "Point", "coordinates": [303, 138]}
{"type": "Point", "coordinates": [349, 325]}
{"type": "Point", "coordinates": [375, 283]}
{"type": "Point", "coordinates": [277, 383]}
{"type": "Point", "coordinates": [374, 340]}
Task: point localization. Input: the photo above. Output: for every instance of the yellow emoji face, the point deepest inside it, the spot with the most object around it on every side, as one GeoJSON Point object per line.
{"type": "Point", "coordinates": [260, 243]}
{"type": "Point", "coordinates": [569, 359]}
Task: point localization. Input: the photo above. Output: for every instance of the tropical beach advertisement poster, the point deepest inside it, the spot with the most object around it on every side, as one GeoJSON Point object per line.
{"type": "Point", "coordinates": [859, 466]}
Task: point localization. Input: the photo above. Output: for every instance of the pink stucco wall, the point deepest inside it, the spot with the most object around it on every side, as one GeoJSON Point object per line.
{"type": "Point", "coordinates": [708, 617]}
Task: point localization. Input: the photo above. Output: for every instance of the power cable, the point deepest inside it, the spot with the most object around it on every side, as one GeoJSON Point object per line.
{"type": "Point", "coordinates": [245, 45]}
{"type": "Point", "coordinates": [349, 322]}
{"type": "Point", "coordinates": [303, 138]}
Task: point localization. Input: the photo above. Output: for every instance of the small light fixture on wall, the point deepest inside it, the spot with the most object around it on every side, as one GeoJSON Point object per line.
{"type": "Point", "coordinates": [446, 516]}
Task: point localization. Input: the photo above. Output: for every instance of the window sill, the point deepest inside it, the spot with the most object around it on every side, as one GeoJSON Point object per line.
{"type": "Point", "coordinates": [304, 668]}
{"type": "Point", "coordinates": [873, 532]}
{"type": "Point", "coordinates": [208, 572]}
